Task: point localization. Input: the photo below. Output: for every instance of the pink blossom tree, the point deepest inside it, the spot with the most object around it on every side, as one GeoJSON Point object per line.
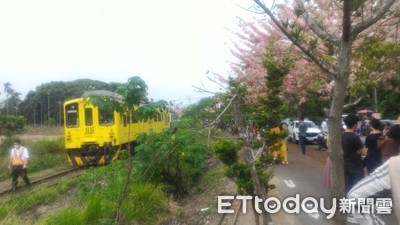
{"type": "Point", "coordinates": [327, 32]}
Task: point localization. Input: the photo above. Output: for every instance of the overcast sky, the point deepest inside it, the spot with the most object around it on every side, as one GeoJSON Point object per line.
{"type": "Point", "coordinates": [170, 44]}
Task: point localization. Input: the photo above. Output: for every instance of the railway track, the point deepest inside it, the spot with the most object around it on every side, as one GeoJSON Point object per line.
{"type": "Point", "coordinates": [46, 179]}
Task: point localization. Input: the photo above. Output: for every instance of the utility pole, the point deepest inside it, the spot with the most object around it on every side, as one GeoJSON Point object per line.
{"type": "Point", "coordinates": [375, 100]}
{"type": "Point", "coordinates": [41, 113]}
{"type": "Point", "coordinates": [59, 110]}
{"type": "Point", "coordinates": [34, 116]}
{"type": "Point", "coordinates": [48, 106]}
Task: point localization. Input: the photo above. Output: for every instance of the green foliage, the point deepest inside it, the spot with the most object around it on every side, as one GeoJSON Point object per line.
{"type": "Point", "coordinates": [30, 200]}
{"type": "Point", "coordinates": [67, 216]}
{"type": "Point", "coordinates": [9, 124]}
{"type": "Point", "coordinates": [206, 110]}
{"type": "Point", "coordinates": [377, 58]}
{"type": "Point", "coordinates": [145, 204]}
{"type": "Point", "coordinates": [255, 144]}
{"type": "Point", "coordinates": [103, 102]}
{"type": "Point", "coordinates": [105, 181]}
{"type": "Point", "coordinates": [227, 150]}
{"type": "Point", "coordinates": [150, 111]}
{"type": "Point", "coordinates": [386, 106]}
{"type": "Point", "coordinates": [45, 146]}
{"type": "Point", "coordinates": [271, 108]}
{"type": "Point", "coordinates": [175, 160]}
{"type": "Point", "coordinates": [133, 92]}
{"type": "Point", "coordinates": [34, 106]}
{"type": "Point", "coordinates": [313, 108]}
{"type": "Point", "coordinates": [240, 171]}
{"type": "Point", "coordinates": [45, 154]}
{"type": "Point", "coordinates": [51, 122]}
{"type": "Point", "coordinates": [131, 96]}
{"type": "Point", "coordinates": [97, 211]}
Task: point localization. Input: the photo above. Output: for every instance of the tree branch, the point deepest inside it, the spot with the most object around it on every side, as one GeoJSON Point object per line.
{"type": "Point", "coordinates": [353, 103]}
{"type": "Point", "coordinates": [318, 31]}
{"type": "Point", "coordinates": [323, 67]}
{"type": "Point", "coordinates": [379, 14]}
{"type": "Point", "coordinates": [223, 111]}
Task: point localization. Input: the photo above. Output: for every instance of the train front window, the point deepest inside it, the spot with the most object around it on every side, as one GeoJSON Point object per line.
{"type": "Point", "coordinates": [72, 115]}
{"type": "Point", "coordinates": [106, 117]}
{"type": "Point", "coordinates": [88, 117]}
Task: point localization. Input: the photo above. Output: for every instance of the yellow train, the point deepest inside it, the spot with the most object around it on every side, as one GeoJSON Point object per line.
{"type": "Point", "coordinates": [95, 136]}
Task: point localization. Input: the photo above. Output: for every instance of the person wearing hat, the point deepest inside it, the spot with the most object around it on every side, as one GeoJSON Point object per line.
{"type": "Point", "coordinates": [18, 162]}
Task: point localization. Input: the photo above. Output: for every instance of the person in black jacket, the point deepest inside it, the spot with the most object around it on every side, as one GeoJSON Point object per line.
{"type": "Point", "coordinates": [352, 149]}
{"type": "Point", "coordinates": [373, 158]}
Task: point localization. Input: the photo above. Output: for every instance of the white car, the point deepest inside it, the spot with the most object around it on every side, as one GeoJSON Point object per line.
{"type": "Point", "coordinates": [312, 131]}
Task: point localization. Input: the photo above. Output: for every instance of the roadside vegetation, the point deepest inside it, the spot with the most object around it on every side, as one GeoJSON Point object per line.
{"type": "Point", "coordinates": [168, 166]}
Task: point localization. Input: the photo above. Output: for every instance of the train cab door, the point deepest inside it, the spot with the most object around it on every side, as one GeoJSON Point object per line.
{"type": "Point", "coordinates": [89, 132]}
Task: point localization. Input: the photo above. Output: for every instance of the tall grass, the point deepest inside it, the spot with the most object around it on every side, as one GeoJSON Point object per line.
{"type": "Point", "coordinates": [145, 204]}
{"type": "Point", "coordinates": [25, 201]}
{"type": "Point", "coordinates": [98, 191]}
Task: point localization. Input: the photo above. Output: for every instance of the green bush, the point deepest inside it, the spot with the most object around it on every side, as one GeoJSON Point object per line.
{"type": "Point", "coordinates": [175, 160]}
{"type": "Point", "coordinates": [41, 147]}
{"type": "Point", "coordinates": [227, 150]}
{"type": "Point", "coordinates": [98, 210]}
{"type": "Point", "coordinates": [240, 171]}
{"type": "Point", "coordinates": [145, 204]}
{"type": "Point", "coordinates": [10, 124]}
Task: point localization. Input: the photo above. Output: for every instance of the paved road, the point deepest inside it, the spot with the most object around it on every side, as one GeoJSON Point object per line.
{"type": "Point", "coordinates": [304, 175]}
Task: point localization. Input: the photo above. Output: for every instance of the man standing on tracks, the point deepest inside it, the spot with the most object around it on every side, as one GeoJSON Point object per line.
{"type": "Point", "coordinates": [18, 161]}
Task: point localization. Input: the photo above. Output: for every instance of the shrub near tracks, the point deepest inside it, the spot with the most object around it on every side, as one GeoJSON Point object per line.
{"type": "Point", "coordinates": [88, 199]}
{"type": "Point", "coordinates": [174, 160]}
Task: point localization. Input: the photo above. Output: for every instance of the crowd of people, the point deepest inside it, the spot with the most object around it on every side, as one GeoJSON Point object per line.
{"type": "Point", "coordinates": [381, 144]}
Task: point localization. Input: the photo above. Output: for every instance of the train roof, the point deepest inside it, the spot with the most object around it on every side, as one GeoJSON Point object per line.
{"type": "Point", "coordinates": [110, 94]}
{"type": "Point", "coordinates": [107, 93]}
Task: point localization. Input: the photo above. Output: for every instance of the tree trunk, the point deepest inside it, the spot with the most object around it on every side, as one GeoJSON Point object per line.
{"type": "Point", "coordinates": [335, 126]}
{"type": "Point", "coordinates": [117, 214]}
{"type": "Point", "coordinates": [259, 190]}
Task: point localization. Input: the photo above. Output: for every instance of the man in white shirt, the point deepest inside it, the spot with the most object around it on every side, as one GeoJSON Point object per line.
{"type": "Point", "coordinates": [384, 178]}
{"type": "Point", "coordinates": [324, 126]}
{"type": "Point", "coordinates": [18, 162]}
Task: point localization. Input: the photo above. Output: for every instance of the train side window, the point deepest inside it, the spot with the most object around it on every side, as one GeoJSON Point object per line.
{"type": "Point", "coordinates": [128, 117]}
{"type": "Point", "coordinates": [89, 117]}
{"type": "Point", "coordinates": [124, 119]}
{"type": "Point", "coordinates": [134, 119]}
{"type": "Point", "coordinates": [72, 115]}
{"type": "Point", "coordinates": [106, 117]}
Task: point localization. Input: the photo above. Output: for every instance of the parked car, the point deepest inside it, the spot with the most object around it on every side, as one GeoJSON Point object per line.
{"type": "Point", "coordinates": [388, 123]}
{"type": "Point", "coordinates": [312, 131]}
{"type": "Point", "coordinates": [287, 120]}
